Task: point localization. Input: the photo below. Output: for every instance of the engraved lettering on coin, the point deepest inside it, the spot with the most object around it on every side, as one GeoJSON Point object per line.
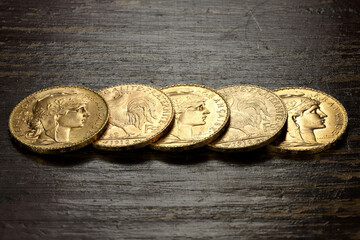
{"type": "Point", "coordinates": [139, 115]}
{"type": "Point", "coordinates": [257, 117]}
{"type": "Point", "coordinates": [59, 119]}
{"type": "Point", "coordinates": [315, 121]}
{"type": "Point", "coordinates": [200, 116]}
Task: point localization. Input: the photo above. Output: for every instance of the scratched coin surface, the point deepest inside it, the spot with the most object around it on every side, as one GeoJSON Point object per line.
{"type": "Point", "coordinates": [257, 118]}
{"type": "Point", "coordinates": [315, 121]}
{"type": "Point", "coordinates": [139, 115]}
{"type": "Point", "coordinates": [59, 119]}
{"type": "Point", "coordinates": [201, 115]}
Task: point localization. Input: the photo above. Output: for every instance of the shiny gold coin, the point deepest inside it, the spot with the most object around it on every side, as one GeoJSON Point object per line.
{"type": "Point", "coordinates": [257, 117]}
{"type": "Point", "coordinates": [315, 121]}
{"type": "Point", "coordinates": [59, 119]}
{"type": "Point", "coordinates": [200, 116]}
{"type": "Point", "coordinates": [139, 115]}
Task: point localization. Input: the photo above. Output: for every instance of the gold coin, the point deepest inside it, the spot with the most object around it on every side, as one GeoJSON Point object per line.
{"type": "Point", "coordinates": [59, 119]}
{"type": "Point", "coordinates": [315, 121]}
{"type": "Point", "coordinates": [139, 115]}
{"type": "Point", "coordinates": [201, 115]}
{"type": "Point", "coordinates": [257, 116]}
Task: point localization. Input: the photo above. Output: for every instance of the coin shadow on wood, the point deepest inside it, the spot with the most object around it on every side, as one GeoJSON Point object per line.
{"type": "Point", "coordinates": [126, 157]}
{"type": "Point", "coordinates": [74, 158]}
{"type": "Point", "coordinates": [241, 158]}
{"type": "Point", "coordinates": [189, 157]}
{"type": "Point", "coordinates": [296, 156]}
{"type": "Point", "coordinates": [305, 156]}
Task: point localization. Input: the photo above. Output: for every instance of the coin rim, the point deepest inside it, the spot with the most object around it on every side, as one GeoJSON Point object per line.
{"type": "Point", "coordinates": [199, 143]}
{"type": "Point", "coordinates": [314, 150]}
{"type": "Point", "coordinates": [256, 146]}
{"type": "Point", "coordinates": [59, 149]}
{"type": "Point", "coordinates": [149, 140]}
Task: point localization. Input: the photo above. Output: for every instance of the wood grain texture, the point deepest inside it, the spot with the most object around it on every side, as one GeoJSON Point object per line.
{"type": "Point", "coordinates": [199, 194]}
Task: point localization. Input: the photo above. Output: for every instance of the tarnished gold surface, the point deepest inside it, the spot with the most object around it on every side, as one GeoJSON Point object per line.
{"type": "Point", "coordinates": [315, 121]}
{"type": "Point", "coordinates": [257, 116]}
{"type": "Point", "coordinates": [200, 116]}
{"type": "Point", "coordinates": [59, 119]}
{"type": "Point", "coordinates": [139, 115]}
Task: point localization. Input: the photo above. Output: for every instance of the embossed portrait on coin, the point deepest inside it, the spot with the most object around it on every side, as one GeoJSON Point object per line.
{"type": "Point", "coordinates": [304, 116]}
{"type": "Point", "coordinates": [54, 116]}
{"type": "Point", "coordinates": [191, 112]}
{"type": "Point", "coordinates": [131, 115]}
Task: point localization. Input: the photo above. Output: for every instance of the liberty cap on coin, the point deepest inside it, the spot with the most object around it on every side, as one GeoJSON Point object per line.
{"type": "Point", "coordinates": [315, 121]}
{"type": "Point", "coordinates": [139, 115]}
{"type": "Point", "coordinates": [257, 116]}
{"type": "Point", "coordinates": [201, 115]}
{"type": "Point", "coordinates": [59, 119]}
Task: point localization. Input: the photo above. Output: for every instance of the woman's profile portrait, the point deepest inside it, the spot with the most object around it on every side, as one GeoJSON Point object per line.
{"type": "Point", "coordinates": [191, 111]}
{"type": "Point", "coordinates": [304, 116]}
{"type": "Point", "coordinates": [54, 116]}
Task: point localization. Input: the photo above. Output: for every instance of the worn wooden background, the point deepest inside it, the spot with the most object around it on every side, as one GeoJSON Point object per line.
{"type": "Point", "coordinates": [198, 194]}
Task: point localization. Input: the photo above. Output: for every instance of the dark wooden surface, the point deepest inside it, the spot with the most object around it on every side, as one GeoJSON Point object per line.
{"type": "Point", "coordinates": [198, 194]}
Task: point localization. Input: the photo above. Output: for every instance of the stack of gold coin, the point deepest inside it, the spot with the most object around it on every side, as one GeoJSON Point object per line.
{"type": "Point", "coordinates": [178, 118]}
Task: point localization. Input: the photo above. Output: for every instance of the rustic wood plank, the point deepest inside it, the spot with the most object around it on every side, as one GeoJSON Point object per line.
{"type": "Point", "coordinates": [197, 194]}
